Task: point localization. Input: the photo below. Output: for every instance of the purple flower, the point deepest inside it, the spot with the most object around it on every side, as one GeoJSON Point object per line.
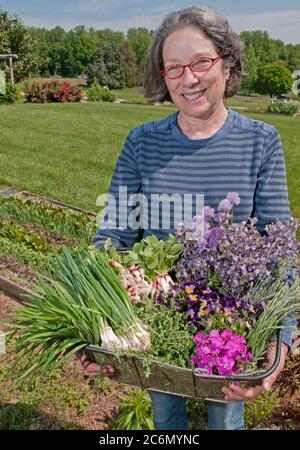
{"type": "Point", "coordinates": [234, 198]}
{"type": "Point", "coordinates": [208, 213]}
{"type": "Point", "coordinates": [225, 205]}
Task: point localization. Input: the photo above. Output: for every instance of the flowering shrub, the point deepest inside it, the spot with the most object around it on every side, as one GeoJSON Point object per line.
{"type": "Point", "coordinates": [223, 353]}
{"type": "Point", "coordinates": [52, 91]}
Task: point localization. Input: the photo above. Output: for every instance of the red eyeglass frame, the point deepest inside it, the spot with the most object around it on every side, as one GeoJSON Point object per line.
{"type": "Point", "coordinates": [213, 62]}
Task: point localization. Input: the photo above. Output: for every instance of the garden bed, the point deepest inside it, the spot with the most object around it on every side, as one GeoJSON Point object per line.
{"type": "Point", "coordinates": [33, 229]}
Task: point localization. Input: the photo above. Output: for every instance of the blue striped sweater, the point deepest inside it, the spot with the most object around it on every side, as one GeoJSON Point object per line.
{"type": "Point", "coordinates": [244, 156]}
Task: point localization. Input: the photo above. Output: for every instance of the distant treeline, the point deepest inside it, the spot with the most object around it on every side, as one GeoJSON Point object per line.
{"type": "Point", "coordinates": [117, 59]}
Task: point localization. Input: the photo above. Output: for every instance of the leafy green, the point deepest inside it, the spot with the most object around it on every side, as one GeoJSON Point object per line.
{"type": "Point", "coordinates": [155, 256]}
{"type": "Point", "coordinates": [171, 339]}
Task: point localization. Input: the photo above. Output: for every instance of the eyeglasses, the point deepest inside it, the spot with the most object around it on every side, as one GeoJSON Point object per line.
{"type": "Point", "coordinates": [198, 65]}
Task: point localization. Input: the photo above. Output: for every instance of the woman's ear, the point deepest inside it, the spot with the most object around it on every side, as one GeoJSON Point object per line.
{"type": "Point", "coordinates": [226, 72]}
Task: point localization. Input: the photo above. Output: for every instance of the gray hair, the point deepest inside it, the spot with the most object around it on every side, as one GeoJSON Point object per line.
{"type": "Point", "coordinates": [216, 27]}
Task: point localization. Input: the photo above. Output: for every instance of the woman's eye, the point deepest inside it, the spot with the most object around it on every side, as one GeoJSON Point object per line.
{"type": "Point", "coordinates": [172, 69]}
{"type": "Point", "coordinates": [201, 63]}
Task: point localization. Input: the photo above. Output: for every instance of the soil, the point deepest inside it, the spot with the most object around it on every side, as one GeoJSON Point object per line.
{"type": "Point", "coordinates": [9, 267]}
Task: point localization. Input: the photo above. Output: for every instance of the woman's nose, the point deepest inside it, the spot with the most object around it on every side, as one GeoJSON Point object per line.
{"type": "Point", "coordinates": [189, 77]}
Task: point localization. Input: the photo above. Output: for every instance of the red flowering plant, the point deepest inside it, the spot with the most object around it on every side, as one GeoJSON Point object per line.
{"type": "Point", "coordinates": [53, 91]}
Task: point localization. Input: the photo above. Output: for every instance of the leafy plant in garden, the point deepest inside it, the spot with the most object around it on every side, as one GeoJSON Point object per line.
{"type": "Point", "coordinates": [22, 253]}
{"type": "Point", "coordinates": [273, 79]}
{"type": "Point", "coordinates": [18, 233]}
{"type": "Point", "coordinates": [283, 107]}
{"type": "Point", "coordinates": [136, 411]}
{"type": "Point", "coordinates": [12, 94]}
{"type": "Point", "coordinates": [96, 93]}
{"type": "Point", "coordinates": [60, 220]}
{"type": "Point", "coordinates": [15, 38]}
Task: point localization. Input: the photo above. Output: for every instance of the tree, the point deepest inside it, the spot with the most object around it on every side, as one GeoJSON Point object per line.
{"type": "Point", "coordinates": [293, 57]}
{"type": "Point", "coordinates": [250, 65]}
{"type": "Point", "coordinates": [16, 39]}
{"type": "Point", "coordinates": [140, 39]}
{"type": "Point", "coordinates": [129, 65]}
{"type": "Point", "coordinates": [79, 48]}
{"type": "Point", "coordinates": [266, 50]}
{"type": "Point", "coordinates": [273, 79]}
{"type": "Point", "coordinates": [108, 67]}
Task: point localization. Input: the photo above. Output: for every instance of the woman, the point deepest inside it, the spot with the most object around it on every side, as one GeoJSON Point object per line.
{"type": "Point", "coordinates": [195, 61]}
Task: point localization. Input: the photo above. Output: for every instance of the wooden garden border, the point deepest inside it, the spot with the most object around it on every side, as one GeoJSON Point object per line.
{"type": "Point", "coordinates": [15, 193]}
{"type": "Point", "coordinates": [14, 290]}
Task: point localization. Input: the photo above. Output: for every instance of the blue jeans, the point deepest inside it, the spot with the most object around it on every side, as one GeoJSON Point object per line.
{"type": "Point", "coordinates": [170, 413]}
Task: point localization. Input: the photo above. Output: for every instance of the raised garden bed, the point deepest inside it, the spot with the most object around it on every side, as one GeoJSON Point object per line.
{"type": "Point", "coordinates": [32, 229]}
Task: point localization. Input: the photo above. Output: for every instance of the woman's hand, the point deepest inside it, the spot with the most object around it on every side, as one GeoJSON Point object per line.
{"type": "Point", "coordinates": [234, 393]}
{"type": "Point", "coordinates": [91, 368]}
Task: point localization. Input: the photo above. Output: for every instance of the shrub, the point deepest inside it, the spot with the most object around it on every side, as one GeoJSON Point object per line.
{"type": "Point", "coordinates": [96, 93]}
{"type": "Point", "coordinates": [273, 79]}
{"type": "Point", "coordinates": [283, 107]}
{"type": "Point", "coordinates": [12, 94]}
{"type": "Point", "coordinates": [53, 91]}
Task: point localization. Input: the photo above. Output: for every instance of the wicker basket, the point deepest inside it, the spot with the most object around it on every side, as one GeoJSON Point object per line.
{"type": "Point", "coordinates": [157, 376]}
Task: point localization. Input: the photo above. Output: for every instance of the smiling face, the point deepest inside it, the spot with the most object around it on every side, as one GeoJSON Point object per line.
{"type": "Point", "coordinates": [196, 94]}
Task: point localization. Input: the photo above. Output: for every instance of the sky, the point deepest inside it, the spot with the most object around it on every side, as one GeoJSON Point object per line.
{"type": "Point", "coordinates": [280, 18]}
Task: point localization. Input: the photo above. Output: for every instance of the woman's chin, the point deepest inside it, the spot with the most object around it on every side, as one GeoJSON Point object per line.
{"type": "Point", "coordinates": [195, 109]}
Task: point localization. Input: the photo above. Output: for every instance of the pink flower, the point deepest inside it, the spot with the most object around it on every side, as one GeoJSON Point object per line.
{"type": "Point", "coordinates": [223, 353]}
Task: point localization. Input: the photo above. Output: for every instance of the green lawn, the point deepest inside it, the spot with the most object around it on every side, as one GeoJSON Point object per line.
{"type": "Point", "coordinates": [68, 151]}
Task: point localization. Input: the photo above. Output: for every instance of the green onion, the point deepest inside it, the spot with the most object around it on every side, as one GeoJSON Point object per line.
{"type": "Point", "coordinates": [86, 305]}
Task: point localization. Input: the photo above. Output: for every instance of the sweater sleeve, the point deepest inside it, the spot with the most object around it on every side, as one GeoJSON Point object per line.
{"type": "Point", "coordinates": [271, 195]}
{"type": "Point", "coordinates": [126, 181]}
{"type": "Point", "coordinates": [271, 203]}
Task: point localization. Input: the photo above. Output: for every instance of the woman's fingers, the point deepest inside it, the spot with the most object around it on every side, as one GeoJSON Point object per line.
{"type": "Point", "coordinates": [108, 371]}
{"type": "Point", "coordinates": [92, 368]}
